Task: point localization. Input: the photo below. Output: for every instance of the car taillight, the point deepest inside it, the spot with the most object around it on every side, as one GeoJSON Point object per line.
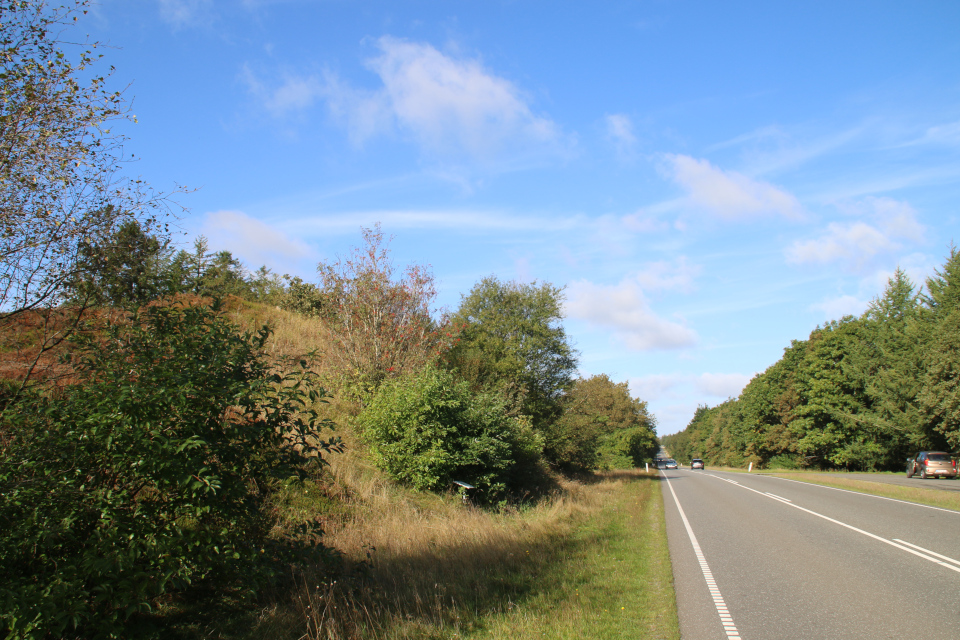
{"type": "Point", "coordinates": [926, 462]}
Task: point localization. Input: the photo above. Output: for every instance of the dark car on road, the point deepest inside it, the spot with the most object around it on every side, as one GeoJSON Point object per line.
{"type": "Point", "coordinates": [932, 464]}
{"type": "Point", "coordinates": [696, 463]}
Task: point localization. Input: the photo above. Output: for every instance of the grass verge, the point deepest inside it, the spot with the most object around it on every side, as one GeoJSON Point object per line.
{"type": "Point", "coordinates": [614, 579]}
{"type": "Point", "coordinates": [930, 497]}
{"type": "Point", "coordinates": [591, 562]}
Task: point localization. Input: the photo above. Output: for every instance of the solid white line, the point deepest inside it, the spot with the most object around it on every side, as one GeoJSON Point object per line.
{"type": "Point", "coordinates": [725, 618]}
{"type": "Point", "coordinates": [853, 528]}
{"type": "Point", "coordinates": [858, 493]}
{"type": "Point", "coordinates": [932, 553]}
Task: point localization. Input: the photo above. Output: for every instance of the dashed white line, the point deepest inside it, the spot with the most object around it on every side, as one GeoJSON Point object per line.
{"type": "Point", "coordinates": [725, 618]}
{"type": "Point", "coordinates": [892, 543]}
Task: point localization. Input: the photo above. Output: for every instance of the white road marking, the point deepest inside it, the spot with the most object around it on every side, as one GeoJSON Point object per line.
{"type": "Point", "coordinates": [852, 528]}
{"type": "Point", "coordinates": [932, 553]}
{"type": "Point", "coordinates": [725, 618]}
{"type": "Point", "coordinates": [773, 495]}
{"type": "Point", "coordinates": [858, 493]}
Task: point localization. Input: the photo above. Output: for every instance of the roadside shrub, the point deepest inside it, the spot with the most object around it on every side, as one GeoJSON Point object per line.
{"type": "Point", "coordinates": [428, 429]}
{"type": "Point", "coordinates": [149, 475]}
{"type": "Point", "coordinates": [783, 461]}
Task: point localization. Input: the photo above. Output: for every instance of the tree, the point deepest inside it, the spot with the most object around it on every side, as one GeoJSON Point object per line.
{"type": "Point", "coordinates": [512, 340]}
{"type": "Point", "coordinates": [126, 270]}
{"type": "Point", "coordinates": [428, 430]}
{"type": "Point", "coordinates": [604, 426]}
{"type": "Point", "coordinates": [889, 362]}
{"type": "Point", "coordinates": [943, 288]}
{"type": "Point", "coordinates": [377, 327]}
{"type": "Point", "coordinates": [60, 180]}
{"type": "Point", "coordinates": [940, 397]}
{"type": "Point", "coordinates": [150, 473]}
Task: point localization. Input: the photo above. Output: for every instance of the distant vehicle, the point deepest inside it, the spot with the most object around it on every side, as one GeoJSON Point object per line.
{"type": "Point", "coordinates": [932, 464]}
{"type": "Point", "coordinates": [670, 464]}
{"type": "Point", "coordinates": [696, 463]}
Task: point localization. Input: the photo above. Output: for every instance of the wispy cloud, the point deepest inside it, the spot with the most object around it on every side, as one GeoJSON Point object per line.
{"type": "Point", "coordinates": [729, 195]}
{"type": "Point", "coordinates": [185, 13]}
{"type": "Point", "coordinates": [620, 132]}
{"type": "Point", "coordinates": [721, 385]}
{"type": "Point", "coordinates": [448, 105]}
{"type": "Point", "coordinates": [462, 220]}
{"type": "Point", "coordinates": [886, 226]}
{"type": "Point", "coordinates": [840, 306]}
{"type": "Point", "coordinates": [676, 275]}
{"type": "Point", "coordinates": [254, 241]}
{"type": "Point", "coordinates": [668, 385]}
{"type": "Point", "coordinates": [948, 134]}
{"type": "Point", "coordinates": [624, 308]}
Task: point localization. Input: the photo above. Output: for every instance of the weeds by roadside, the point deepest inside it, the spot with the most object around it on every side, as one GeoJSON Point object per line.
{"type": "Point", "coordinates": [591, 561]}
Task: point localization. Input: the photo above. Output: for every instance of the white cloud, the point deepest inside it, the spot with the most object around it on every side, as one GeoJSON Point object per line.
{"type": "Point", "coordinates": [888, 227]}
{"type": "Point", "coordinates": [722, 385]}
{"type": "Point", "coordinates": [656, 386]}
{"type": "Point", "coordinates": [727, 194]}
{"type": "Point", "coordinates": [838, 307]}
{"type": "Point", "coordinates": [662, 386]}
{"type": "Point", "coordinates": [624, 308]}
{"type": "Point", "coordinates": [620, 132]}
{"type": "Point", "coordinates": [255, 242]}
{"type": "Point", "coordinates": [670, 276]}
{"type": "Point", "coordinates": [446, 104]}
{"type": "Point", "coordinates": [442, 100]}
{"type": "Point", "coordinates": [852, 243]}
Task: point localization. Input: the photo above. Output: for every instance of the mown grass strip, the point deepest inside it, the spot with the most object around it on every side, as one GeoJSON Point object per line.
{"type": "Point", "coordinates": [613, 578]}
{"type": "Point", "coordinates": [930, 497]}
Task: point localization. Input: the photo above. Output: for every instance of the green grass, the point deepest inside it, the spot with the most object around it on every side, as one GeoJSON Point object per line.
{"type": "Point", "coordinates": [589, 563]}
{"type": "Point", "coordinates": [613, 578]}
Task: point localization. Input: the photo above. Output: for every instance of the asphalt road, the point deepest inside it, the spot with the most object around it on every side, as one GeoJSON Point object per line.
{"type": "Point", "coordinates": [783, 559]}
{"type": "Point", "coordinates": [899, 479]}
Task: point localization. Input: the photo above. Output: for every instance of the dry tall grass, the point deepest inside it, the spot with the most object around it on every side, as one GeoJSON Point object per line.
{"type": "Point", "coordinates": [428, 566]}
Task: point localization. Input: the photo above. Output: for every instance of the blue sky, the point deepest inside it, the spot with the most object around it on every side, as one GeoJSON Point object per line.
{"type": "Point", "coordinates": [708, 180]}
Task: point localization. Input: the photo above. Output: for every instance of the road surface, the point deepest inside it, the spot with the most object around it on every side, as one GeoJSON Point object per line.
{"type": "Point", "coordinates": [901, 479]}
{"type": "Point", "coordinates": [763, 558]}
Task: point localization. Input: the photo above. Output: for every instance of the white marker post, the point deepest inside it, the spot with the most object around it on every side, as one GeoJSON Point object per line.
{"type": "Point", "coordinates": [647, 466]}
{"type": "Point", "coordinates": [750, 468]}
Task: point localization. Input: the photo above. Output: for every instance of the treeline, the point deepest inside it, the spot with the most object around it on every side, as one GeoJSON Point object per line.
{"type": "Point", "coordinates": [502, 360]}
{"type": "Point", "coordinates": [860, 393]}
{"type": "Point", "coordinates": [153, 471]}
{"type": "Point", "coordinates": [147, 441]}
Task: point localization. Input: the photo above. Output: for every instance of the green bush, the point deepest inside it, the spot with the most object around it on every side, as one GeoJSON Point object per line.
{"type": "Point", "coordinates": [429, 430]}
{"type": "Point", "coordinates": [148, 475]}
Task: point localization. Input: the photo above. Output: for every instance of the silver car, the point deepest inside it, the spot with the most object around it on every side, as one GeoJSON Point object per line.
{"type": "Point", "coordinates": [932, 464]}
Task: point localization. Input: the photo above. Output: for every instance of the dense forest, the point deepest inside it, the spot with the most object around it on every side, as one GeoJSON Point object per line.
{"type": "Point", "coordinates": [860, 393]}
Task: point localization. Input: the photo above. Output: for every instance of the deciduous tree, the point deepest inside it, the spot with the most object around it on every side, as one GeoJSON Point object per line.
{"type": "Point", "coordinates": [61, 179]}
